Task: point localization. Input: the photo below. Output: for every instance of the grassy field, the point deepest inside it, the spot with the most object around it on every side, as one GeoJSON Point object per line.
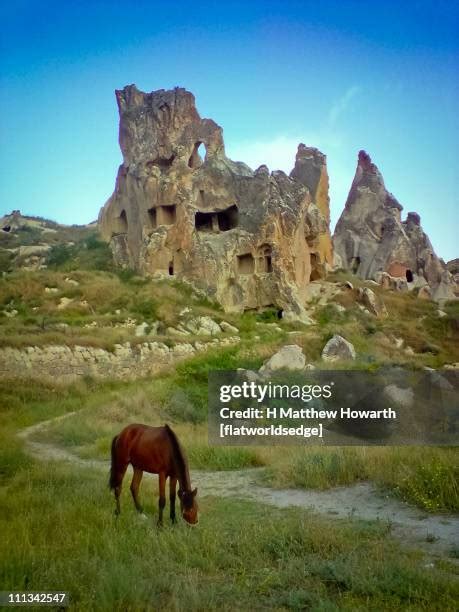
{"type": "Point", "coordinates": [59, 532]}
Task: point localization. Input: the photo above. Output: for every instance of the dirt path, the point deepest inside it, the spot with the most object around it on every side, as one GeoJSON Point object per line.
{"type": "Point", "coordinates": [436, 534]}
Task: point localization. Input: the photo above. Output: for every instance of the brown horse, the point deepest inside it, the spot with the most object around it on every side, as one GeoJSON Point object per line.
{"type": "Point", "coordinates": [155, 450]}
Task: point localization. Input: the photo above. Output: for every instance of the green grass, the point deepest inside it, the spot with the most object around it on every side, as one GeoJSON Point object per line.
{"type": "Point", "coordinates": [59, 532]}
{"type": "Point", "coordinates": [425, 477]}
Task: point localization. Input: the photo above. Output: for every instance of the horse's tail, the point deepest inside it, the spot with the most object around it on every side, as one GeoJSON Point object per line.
{"type": "Point", "coordinates": [113, 481]}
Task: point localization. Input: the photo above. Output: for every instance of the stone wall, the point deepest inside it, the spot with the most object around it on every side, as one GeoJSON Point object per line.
{"type": "Point", "coordinates": [64, 364]}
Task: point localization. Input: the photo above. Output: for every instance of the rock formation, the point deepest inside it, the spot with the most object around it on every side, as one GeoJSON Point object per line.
{"type": "Point", "coordinates": [371, 239]}
{"type": "Point", "coordinates": [250, 239]}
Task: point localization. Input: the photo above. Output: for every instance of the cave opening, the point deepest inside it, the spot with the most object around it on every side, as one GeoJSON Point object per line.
{"type": "Point", "coordinates": [171, 268]}
{"type": "Point", "coordinates": [152, 217]}
{"type": "Point", "coordinates": [409, 276]}
{"type": "Point", "coordinates": [217, 221]}
{"type": "Point", "coordinates": [167, 215]}
{"type": "Point", "coordinates": [265, 260]}
{"type": "Point", "coordinates": [315, 265]}
{"type": "Point", "coordinates": [203, 221]}
{"type": "Point", "coordinates": [355, 264]}
{"type": "Point", "coordinates": [228, 218]}
{"type": "Point", "coordinates": [246, 264]}
{"type": "Point", "coordinates": [123, 224]}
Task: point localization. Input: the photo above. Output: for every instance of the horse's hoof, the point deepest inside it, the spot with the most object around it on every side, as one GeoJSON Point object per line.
{"type": "Point", "coordinates": [143, 516]}
{"type": "Point", "coordinates": [159, 524]}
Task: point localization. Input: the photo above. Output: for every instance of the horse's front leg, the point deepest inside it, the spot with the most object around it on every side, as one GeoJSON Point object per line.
{"type": "Point", "coordinates": [172, 485]}
{"type": "Point", "coordinates": [162, 497]}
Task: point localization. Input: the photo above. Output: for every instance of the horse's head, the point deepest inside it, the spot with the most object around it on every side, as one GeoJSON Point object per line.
{"type": "Point", "coordinates": [188, 506]}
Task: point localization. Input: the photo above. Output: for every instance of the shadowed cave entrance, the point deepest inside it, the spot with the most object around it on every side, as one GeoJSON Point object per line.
{"type": "Point", "coordinates": [355, 264]}
{"type": "Point", "coordinates": [315, 267]}
{"type": "Point", "coordinates": [409, 276]}
{"type": "Point", "coordinates": [217, 221]}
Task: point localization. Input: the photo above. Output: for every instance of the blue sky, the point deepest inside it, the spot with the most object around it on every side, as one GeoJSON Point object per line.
{"type": "Point", "coordinates": [338, 75]}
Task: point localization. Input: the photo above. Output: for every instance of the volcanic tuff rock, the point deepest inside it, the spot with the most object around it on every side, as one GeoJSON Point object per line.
{"type": "Point", "coordinates": [371, 238]}
{"type": "Point", "coordinates": [250, 239]}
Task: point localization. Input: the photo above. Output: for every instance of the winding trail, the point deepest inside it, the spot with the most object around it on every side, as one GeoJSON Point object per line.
{"type": "Point", "coordinates": [435, 534]}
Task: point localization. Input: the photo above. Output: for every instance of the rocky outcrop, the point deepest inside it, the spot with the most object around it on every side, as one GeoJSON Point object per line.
{"type": "Point", "coordinates": [311, 170]}
{"type": "Point", "coordinates": [370, 237]}
{"type": "Point", "coordinates": [250, 239]}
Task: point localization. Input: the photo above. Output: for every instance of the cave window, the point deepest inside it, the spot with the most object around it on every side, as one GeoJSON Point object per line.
{"type": "Point", "coordinates": [203, 222]}
{"type": "Point", "coordinates": [265, 261]}
{"type": "Point", "coordinates": [280, 314]}
{"type": "Point", "coordinates": [315, 273]}
{"type": "Point", "coordinates": [245, 264]}
{"type": "Point", "coordinates": [197, 156]}
{"type": "Point", "coordinates": [6, 228]}
{"type": "Point", "coordinates": [171, 268]}
{"type": "Point", "coordinates": [123, 224]}
{"type": "Point", "coordinates": [167, 215]}
{"type": "Point", "coordinates": [228, 219]}
{"type": "Point", "coordinates": [355, 264]}
{"type": "Point", "coordinates": [152, 216]}
{"type": "Point", "coordinates": [409, 276]}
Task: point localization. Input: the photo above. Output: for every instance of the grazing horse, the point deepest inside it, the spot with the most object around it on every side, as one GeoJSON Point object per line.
{"type": "Point", "coordinates": [155, 450]}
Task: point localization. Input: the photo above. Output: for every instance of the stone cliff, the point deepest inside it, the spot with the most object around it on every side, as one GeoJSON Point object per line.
{"type": "Point", "coordinates": [251, 239]}
{"type": "Point", "coordinates": [371, 239]}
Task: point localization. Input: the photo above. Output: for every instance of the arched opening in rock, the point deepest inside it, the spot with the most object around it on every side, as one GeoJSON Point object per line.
{"type": "Point", "coordinates": [355, 264]}
{"type": "Point", "coordinates": [198, 155]}
{"type": "Point", "coordinates": [280, 313]}
{"type": "Point", "coordinates": [171, 268]}
{"type": "Point", "coordinates": [228, 219]}
{"type": "Point", "coordinates": [409, 276]}
{"type": "Point", "coordinates": [245, 264]}
{"type": "Point", "coordinates": [265, 260]}
{"type": "Point", "coordinates": [166, 215]}
{"type": "Point", "coordinates": [6, 228]}
{"type": "Point", "coordinates": [123, 224]}
{"type": "Point", "coordinates": [315, 267]}
{"type": "Point", "coordinates": [152, 218]}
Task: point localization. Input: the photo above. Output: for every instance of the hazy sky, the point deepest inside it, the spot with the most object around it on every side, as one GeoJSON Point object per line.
{"type": "Point", "coordinates": [338, 75]}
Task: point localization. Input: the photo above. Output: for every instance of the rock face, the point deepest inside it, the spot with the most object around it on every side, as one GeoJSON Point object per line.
{"type": "Point", "coordinates": [371, 238]}
{"type": "Point", "coordinates": [249, 239]}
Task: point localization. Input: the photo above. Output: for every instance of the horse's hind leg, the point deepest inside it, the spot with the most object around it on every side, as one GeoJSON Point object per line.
{"type": "Point", "coordinates": [135, 484]}
{"type": "Point", "coordinates": [162, 497]}
{"type": "Point", "coordinates": [119, 481]}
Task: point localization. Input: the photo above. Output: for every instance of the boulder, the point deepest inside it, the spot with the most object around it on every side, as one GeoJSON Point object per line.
{"type": "Point", "coordinates": [227, 327]}
{"type": "Point", "coordinates": [337, 349]}
{"type": "Point", "coordinates": [370, 300]}
{"type": "Point", "coordinates": [203, 326]}
{"type": "Point", "coordinates": [289, 357]}
{"type": "Point", "coordinates": [181, 208]}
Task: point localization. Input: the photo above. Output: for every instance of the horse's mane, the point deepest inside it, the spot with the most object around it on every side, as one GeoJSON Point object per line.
{"type": "Point", "coordinates": [179, 459]}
